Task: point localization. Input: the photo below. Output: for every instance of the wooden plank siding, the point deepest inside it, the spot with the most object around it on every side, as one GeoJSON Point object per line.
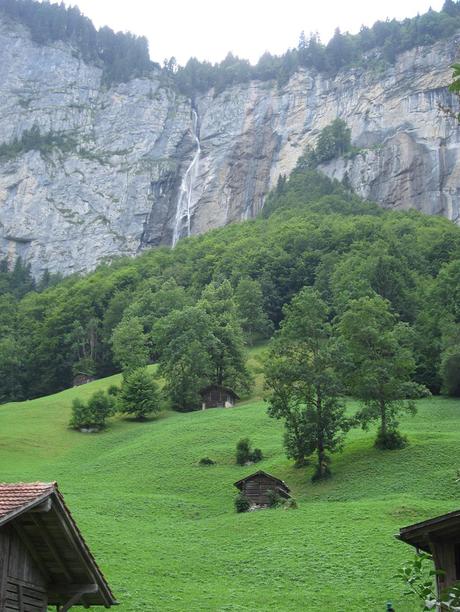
{"type": "Point", "coordinates": [257, 490]}
{"type": "Point", "coordinates": [218, 397]}
{"type": "Point", "coordinates": [23, 588]}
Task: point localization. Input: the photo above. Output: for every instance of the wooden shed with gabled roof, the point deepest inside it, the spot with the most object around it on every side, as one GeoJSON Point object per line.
{"type": "Point", "coordinates": [260, 486]}
{"type": "Point", "coordinates": [44, 560]}
{"type": "Point", "coordinates": [440, 537]}
{"type": "Point", "coordinates": [218, 396]}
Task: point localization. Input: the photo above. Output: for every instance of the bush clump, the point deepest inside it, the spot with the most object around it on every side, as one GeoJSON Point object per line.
{"type": "Point", "coordinates": [274, 499]}
{"type": "Point", "coordinates": [390, 440]}
{"type": "Point", "coordinates": [206, 461]}
{"type": "Point", "coordinates": [277, 501]}
{"type": "Point", "coordinates": [92, 415]}
{"type": "Point", "coordinates": [244, 453]}
{"type": "Point", "coordinates": [242, 503]}
{"type": "Point", "coordinates": [113, 390]}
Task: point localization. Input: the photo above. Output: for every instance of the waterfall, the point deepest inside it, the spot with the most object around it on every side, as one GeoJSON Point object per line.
{"type": "Point", "coordinates": [184, 203]}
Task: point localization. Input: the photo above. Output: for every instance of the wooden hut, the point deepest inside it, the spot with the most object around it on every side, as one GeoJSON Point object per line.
{"type": "Point", "coordinates": [44, 560]}
{"type": "Point", "coordinates": [82, 379]}
{"type": "Point", "coordinates": [260, 486]}
{"type": "Point", "coordinates": [217, 396]}
{"type": "Point", "coordinates": [440, 537]}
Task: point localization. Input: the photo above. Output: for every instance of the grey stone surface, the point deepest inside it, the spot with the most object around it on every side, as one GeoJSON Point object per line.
{"type": "Point", "coordinates": [116, 191]}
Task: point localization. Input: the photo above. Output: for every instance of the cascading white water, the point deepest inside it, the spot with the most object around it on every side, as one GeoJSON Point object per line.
{"type": "Point", "coordinates": [184, 202]}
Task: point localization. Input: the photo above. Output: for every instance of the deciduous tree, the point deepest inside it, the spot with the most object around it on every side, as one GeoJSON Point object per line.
{"type": "Point", "coordinates": [305, 389]}
{"type": "Point", "coordinates": [139, 394]}
{"type": "Point", "coordinates": [380, 366]}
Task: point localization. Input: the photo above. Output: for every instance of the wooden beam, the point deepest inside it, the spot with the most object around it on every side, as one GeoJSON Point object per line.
{"type": "Point", "coordinates": [23, 536]}
{"type": "Point", "coordinates": [90, 566]}
{"type": "Point", "coordinates": [79, 595]}
{"type": "Point", "coordinates": [4, 570]}
{"type": "Point", "coordinates": [71, 589]}
{"type": "Point", "coordinates": [75, 538]}
{"type": "Point", "coordinates": [73, 600]}
{"type": "Point", "coordinates": [49, 542]}
{"type": "Point", "coordinates": [43, 507]}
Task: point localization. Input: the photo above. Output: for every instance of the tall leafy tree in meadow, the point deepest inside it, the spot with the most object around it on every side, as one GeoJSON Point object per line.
{"type": "Point", "coordinates": [304, 384]}
{"type": "Point", "coordinates": [227, 349]}
{"type": "Point", "coordinates": [380, 366]}
{"type": "Point", "coordinates": [184, 340]}
{"type": "Point", "coordinates": [139, 394]}
{"type": "Point", "coordinates": [201, 345]}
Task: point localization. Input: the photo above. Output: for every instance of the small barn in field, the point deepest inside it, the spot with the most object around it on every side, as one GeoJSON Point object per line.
{"type": "Point", "coordinates": [217, 396]}
{"type": "Point", "coordinates": [44, 560]}
{"type": "Point", "coordinates": [259, 487]}
{"type": "Point", "coordinates": [440, 537]}
{"type": "Point", "coordinates": [82, 379]}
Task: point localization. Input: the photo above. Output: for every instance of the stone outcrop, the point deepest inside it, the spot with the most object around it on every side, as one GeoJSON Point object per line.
{"type": "Point", "coordinates": [114, 188]}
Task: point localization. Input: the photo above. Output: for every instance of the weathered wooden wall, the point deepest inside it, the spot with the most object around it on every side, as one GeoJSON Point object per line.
{"type": "Point", "coordinates": [217, 398]}
{"type": "Point", "coordinates": [22, 587]}
{"type": "Point", "coordinates": [256, 490]}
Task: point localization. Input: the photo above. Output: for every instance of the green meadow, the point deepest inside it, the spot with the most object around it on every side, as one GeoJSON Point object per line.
{"type": "Point", "coordinates": [165, 532]}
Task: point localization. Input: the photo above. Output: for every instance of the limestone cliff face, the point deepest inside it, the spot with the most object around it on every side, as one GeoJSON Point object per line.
{"type": "Point", "coordinates": [146, 166]}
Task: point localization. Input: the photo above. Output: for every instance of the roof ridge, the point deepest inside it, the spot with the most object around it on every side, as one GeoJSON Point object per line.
{"type": "Point", "coordinates": [29, 484]}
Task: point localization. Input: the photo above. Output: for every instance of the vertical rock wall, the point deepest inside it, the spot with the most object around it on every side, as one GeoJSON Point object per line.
{"type": "Point", "coordinates": [113, 187]}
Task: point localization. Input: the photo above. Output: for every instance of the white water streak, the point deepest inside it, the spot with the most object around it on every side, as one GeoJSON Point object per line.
{"type": "Point", "coordinates": [184, 202]}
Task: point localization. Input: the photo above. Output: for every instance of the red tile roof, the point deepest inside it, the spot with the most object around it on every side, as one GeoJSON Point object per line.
{"type": "Point", "coordinates": [15, 497]}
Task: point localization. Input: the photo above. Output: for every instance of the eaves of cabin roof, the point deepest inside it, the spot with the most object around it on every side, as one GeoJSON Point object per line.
{"type": "Point", "coordinates": [221, 388]}
{"type": "Point", "coordinates": [239, 483]}
{"type": "Point", "coordinates": [19, 499]}
{"type": "Point", "coordinates": [418, 534]}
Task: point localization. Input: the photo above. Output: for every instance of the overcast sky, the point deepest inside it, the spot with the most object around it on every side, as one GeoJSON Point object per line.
{"type": "Point", "coordinates": [209, 29]}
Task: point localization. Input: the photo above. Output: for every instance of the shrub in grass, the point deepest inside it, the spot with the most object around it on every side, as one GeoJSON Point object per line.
{"type": "Point", "coordinates": [274, 499]}
{"type": "Point", "coordinates": [256, 455]}
{"type": "Point", "coordinates": [243, 450]}
{"type": "Point", "coordinates": [242, 503]}
{"type": "Point", "coordinates": [139, 394]}
{"type": "Point", "coordinates": [81, 417]}
{"type": "Point", "coordinates": [113, 390]}
{"type": "Point", "coordinates": [390, 440]}
{"type": "Point", "coordinates": [92, 416]}
{"type": "Point", "coordinates": [206, 461]}
{"type": "Point", "coordinates": [244, 454]}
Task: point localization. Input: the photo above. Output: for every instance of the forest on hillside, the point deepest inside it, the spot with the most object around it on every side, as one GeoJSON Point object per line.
{"type": "Point", "coordinates": [124, 56]}
{"type": "Point", "coordinates": [314, 233]}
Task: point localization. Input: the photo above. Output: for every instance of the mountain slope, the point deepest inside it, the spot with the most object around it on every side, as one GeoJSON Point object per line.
{"type": "Point", "coordinates": [165, 532]}
{"type": "Point", "coordinates": [137, 164]}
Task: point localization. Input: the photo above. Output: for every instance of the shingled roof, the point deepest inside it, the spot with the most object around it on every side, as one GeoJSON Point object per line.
{"type": "Point", "coordinates": [38, 513]}
{"type": "Point", "coordinates": [16, 498]}
{"type": "Point", "coordinates": [239, 484]}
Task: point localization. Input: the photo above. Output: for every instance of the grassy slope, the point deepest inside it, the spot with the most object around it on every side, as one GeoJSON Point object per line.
{"type": "Point", "coordinates": [165, 532]}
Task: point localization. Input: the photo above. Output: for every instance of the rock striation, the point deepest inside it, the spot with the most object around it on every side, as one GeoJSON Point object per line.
{"type": "Point", "coordinates": [142, 165]}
